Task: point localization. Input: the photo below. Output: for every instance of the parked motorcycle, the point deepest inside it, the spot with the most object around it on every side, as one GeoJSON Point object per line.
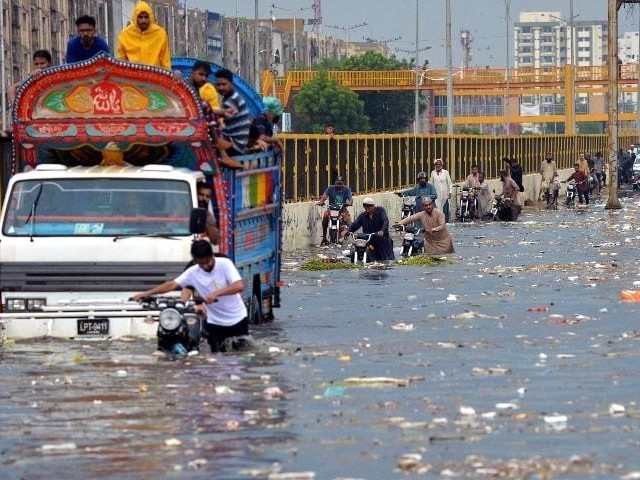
{"type": "Point", "coordinates": [411, 244]}
{"type": "Point", "coordinates": [179, 324]}
{"type": "Point", "coordinates": [335, 222]}
{"type": "Point", "coordinates": [467, 206]}
{"type": "Point", "coordinates": [360, 249]}
{"type": "Point", "coordinates": [571, 193]}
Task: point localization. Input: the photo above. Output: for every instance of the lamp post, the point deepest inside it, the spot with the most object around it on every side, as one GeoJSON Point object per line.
{"type": "Point", "coordinates": [507, 18]}
{"type": "Point", "coordinates": [2, 69]}
{"type": "Point", "coordinates": [295, 36]}
{"type": "Point", "coordinates": [449, 70]}
{"type": "Point", "coordinates": [256, 50]}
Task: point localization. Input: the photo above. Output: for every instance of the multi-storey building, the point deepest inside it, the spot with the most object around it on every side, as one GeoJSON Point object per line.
{"type": "Point", "coordinates": [544, 39]}
{"type": "Point", "coordinates": [629, 48]}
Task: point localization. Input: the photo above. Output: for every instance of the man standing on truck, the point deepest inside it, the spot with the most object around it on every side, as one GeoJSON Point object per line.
{"type": "Point", "coordinates": [144, 41]}
{"type": "Point", "coordinates": [237, 120]}
{"type": "Point", "coordinates": [41, 59]}
{"type": "Point", "coordinates": [218, 282]}
{"type": "Point", "coordinates": [86, 44]}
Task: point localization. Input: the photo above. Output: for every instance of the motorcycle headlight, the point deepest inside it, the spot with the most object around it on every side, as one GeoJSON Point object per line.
{"type": "Point", "coordinates": [169, 319]}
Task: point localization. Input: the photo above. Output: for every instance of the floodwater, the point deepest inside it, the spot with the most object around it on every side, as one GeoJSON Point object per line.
{"type": "Point", "coordinates": [518, 361]}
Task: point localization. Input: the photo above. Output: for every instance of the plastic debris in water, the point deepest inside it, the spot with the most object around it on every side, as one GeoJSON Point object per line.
{"type": "Point", "coordinates": [631, 296]}
{"type": "Point", "coordinates": [172, 442]}
{"type": "Point", "coordinates": [616, 409]}
{"type": "Point", "coordinates": [334, 391]}
{"type": "Point", "coordinates": [452, 298]}
{"type": "Point", "coordinates": [403, 327]}
{"type": "Point", "coordinates": [468, 411]}
{"type": "Point", "coordinates": [57, 447]}
{"type": "Point", "coordinates": [121, 373]}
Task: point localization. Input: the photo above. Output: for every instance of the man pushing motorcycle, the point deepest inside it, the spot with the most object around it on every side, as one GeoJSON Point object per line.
{"type": "Point", "coordinates": [437, 239]}
{"type": "Point", "coordinates": [421, 190]}
{"type": "Point", "coordinates": [337, 194]}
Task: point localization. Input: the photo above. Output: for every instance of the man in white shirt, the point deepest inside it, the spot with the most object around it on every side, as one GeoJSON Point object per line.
{"type": "Point", "coordinates": [218, 282]}
{"type": "Point", "coordinates": [441, 179]}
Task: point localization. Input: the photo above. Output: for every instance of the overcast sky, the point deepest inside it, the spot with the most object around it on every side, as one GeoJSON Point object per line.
{"type": "Point", "coordinates": [392, 18]}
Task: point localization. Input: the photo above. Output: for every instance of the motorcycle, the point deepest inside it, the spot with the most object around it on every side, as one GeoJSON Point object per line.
{"type": "Point", "coordinates": [570, 195]}
{"type": "Point", "coordinates": [408, 206]}
{"type": "Point", "coordinates": [411, 244]}
{"type": "Point", "coordinates": [467, 206]}
{"type": "Point", "coordinates": [635, 180]}
{"type": "Point", "coordinates": [361, 247]}
{"type": "Point", "coordinates": [179, 324]}
{"type": "Point", "coordinates": [496, 205]}
{"type": "Point", "coordinates": [335, 222]}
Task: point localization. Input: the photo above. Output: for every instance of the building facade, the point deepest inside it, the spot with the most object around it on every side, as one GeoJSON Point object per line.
{"type": "Point", "coordinates": [544, 39]}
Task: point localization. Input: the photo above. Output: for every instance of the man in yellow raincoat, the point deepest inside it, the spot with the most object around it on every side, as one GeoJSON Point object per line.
{"type": "Point", "coordinates": [144, 41]}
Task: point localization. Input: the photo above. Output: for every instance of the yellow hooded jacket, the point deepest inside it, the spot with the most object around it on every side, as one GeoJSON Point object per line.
{"type": "Point", "coordinates": [150, 47]}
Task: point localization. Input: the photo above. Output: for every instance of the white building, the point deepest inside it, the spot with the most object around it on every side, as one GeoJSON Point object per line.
{"type": "Point", "coordinates": [543, 39]}
{"type": "Point", "coordinates": [628, 47]}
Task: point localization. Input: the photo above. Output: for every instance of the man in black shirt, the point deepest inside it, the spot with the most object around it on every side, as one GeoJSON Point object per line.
{"type": "Point", "coordinates": [515, 171]}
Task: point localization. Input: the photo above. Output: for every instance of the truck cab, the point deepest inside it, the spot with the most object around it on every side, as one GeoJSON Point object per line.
{"type": "Point", "coordinates": [107, 159]}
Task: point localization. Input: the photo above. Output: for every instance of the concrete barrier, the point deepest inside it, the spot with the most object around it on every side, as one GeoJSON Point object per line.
{"type": "Point", "coordinates": [302, 221]}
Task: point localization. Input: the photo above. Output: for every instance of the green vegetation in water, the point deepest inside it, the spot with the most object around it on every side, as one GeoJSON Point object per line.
{"type": "Point", "coordinates": [327, 264]}
{"type": "Point", "coordinates": [425, 261]}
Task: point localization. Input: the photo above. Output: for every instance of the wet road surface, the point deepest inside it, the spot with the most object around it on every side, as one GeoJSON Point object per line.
{"type": "Point", "coordinates": [517, 361]}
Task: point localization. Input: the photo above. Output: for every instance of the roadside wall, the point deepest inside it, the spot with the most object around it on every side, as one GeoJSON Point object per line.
{"type": "Point", "coordinates": [302, 220]}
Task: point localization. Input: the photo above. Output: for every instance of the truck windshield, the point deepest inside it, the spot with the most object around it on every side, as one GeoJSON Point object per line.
{"type": "Point", "coordinates": [98, 207]}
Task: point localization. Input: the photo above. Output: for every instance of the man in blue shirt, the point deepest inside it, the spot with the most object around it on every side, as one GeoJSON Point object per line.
{"type": "Point", "coordinates": [421, 190]}
{"type": "Point", "coordinates": [86, 44]}
{"type": "Point", "coordinates": [337, 194]}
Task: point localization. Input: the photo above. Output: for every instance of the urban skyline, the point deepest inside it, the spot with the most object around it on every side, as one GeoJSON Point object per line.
{"type": "Point", "coordinates": [484, 20]}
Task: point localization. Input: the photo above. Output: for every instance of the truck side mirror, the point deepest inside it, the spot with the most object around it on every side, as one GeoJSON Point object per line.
{"type": "Point", "coordinates": [198, 220]}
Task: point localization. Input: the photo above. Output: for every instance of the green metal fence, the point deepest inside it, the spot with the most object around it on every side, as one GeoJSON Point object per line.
{"type": "Point", "coordinates": [373, 163]}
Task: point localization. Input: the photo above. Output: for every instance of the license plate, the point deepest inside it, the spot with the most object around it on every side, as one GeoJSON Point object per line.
{"type": "Point", "coordinates": [93, 326]}
{"type": "Point", "coordinates": [408, 236]}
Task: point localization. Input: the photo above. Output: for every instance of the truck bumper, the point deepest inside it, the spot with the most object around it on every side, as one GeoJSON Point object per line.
{"type": "Point", "coordinates": [102, 325]}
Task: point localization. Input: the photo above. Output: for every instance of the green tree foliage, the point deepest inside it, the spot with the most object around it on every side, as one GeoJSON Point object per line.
{"type": "Point", "coordinates": [388, 111]}
{"type": "Point", "coordinates": [324, 100]}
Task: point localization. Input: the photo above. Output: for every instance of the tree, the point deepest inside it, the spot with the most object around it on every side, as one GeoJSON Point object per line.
{"type": "Point", "coordinates": [324, 100]}
{"type": "Point", "coordinates": [388, 111]}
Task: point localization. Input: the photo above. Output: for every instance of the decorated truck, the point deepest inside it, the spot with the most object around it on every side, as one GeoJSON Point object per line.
{"type": "Point", "coordinates": [107, 156]}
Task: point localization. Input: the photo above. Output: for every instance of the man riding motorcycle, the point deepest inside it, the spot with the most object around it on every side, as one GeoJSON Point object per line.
{"type": "Point", "coordinates": [337, 194]}
{"type": "Point", "coordinates": [421, 190]}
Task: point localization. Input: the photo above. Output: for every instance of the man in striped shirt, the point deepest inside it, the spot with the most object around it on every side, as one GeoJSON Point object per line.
{"type": "Point", "coordinates": [236, 114]}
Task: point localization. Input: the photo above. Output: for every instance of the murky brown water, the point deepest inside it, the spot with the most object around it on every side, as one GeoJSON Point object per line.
{"type": "Point", "coordinates": [519, 361]}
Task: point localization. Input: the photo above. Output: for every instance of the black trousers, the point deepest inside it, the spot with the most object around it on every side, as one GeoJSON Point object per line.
{"type": "Point", "coordinates": [217, 334]}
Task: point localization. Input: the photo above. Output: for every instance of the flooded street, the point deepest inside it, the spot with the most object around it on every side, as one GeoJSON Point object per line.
{"type": "Point", "coordinates": [517, 361]}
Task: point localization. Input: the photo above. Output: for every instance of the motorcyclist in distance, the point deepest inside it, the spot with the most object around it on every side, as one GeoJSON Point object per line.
{"type": "Point", "coordinates": [421, 190]}
{"type": "Point", "coordinates": [337, 194]}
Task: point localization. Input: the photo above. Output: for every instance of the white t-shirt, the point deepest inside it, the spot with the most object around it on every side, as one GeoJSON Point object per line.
{"type": "Point", "coordinates": [229, 309]}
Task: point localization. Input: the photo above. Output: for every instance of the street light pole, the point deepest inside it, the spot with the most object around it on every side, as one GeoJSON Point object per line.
{"type": "Point", "coordinates": [449, 70]}
{"type": "Point", "coordinates": [612, 200]}
{"type": "Point", "coordinates": [295, 39]}
{"type": "Point", "coordinates": [638, 88]}
{"type": "Point", "coordinates": [256, 50]}
{"type": "Point", "coordinates": [573, 69]}
{"type": "Point", "coordinates": [416, 110]}
{"type": "Point", "coordinates": [507, 17]}
{"type": "Point", "coordinates": [2, 69]}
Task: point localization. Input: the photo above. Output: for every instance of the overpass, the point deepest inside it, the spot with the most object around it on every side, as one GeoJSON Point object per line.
{"type": "Point", "coordinates": [589, 82]}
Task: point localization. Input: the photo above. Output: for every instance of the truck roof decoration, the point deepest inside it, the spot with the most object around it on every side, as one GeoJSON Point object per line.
{"type": "Point", "coordinates": [105, 111]}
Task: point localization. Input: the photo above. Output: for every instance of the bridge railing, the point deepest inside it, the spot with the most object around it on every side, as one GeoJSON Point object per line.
{"type": "Point", "coordinates": [373, 163]}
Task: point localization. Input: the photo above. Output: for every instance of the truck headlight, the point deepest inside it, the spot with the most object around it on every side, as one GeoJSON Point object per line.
{"type": "Point", "coordinates": [170, 319]}
{"type": "Point", "coordinates": [16, 304]}
{"type": "Point", "coordinates": [25, 304]}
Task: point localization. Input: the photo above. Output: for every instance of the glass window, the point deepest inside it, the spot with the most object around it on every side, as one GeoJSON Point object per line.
{"type": "Point", "coordinates": [98, 207]}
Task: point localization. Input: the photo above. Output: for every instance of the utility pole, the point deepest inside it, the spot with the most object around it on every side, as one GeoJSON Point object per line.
{"type": "Point", "coordinates": [186, 27]}
{"type": "Point", "coordinates": [416, 110]}
{"type": "Point", "coordinates": [256, 50]}
{"type": "Point", "coordinates": [612, 200]}
{"type": "Point", "coordinates": [507, 18]}
{"type": "Point", "coordinates": [238, 57]}
{"type": "Point", "coordinates": [574, 66]}
{"type": "Point", "coordinates": [449, 71]}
